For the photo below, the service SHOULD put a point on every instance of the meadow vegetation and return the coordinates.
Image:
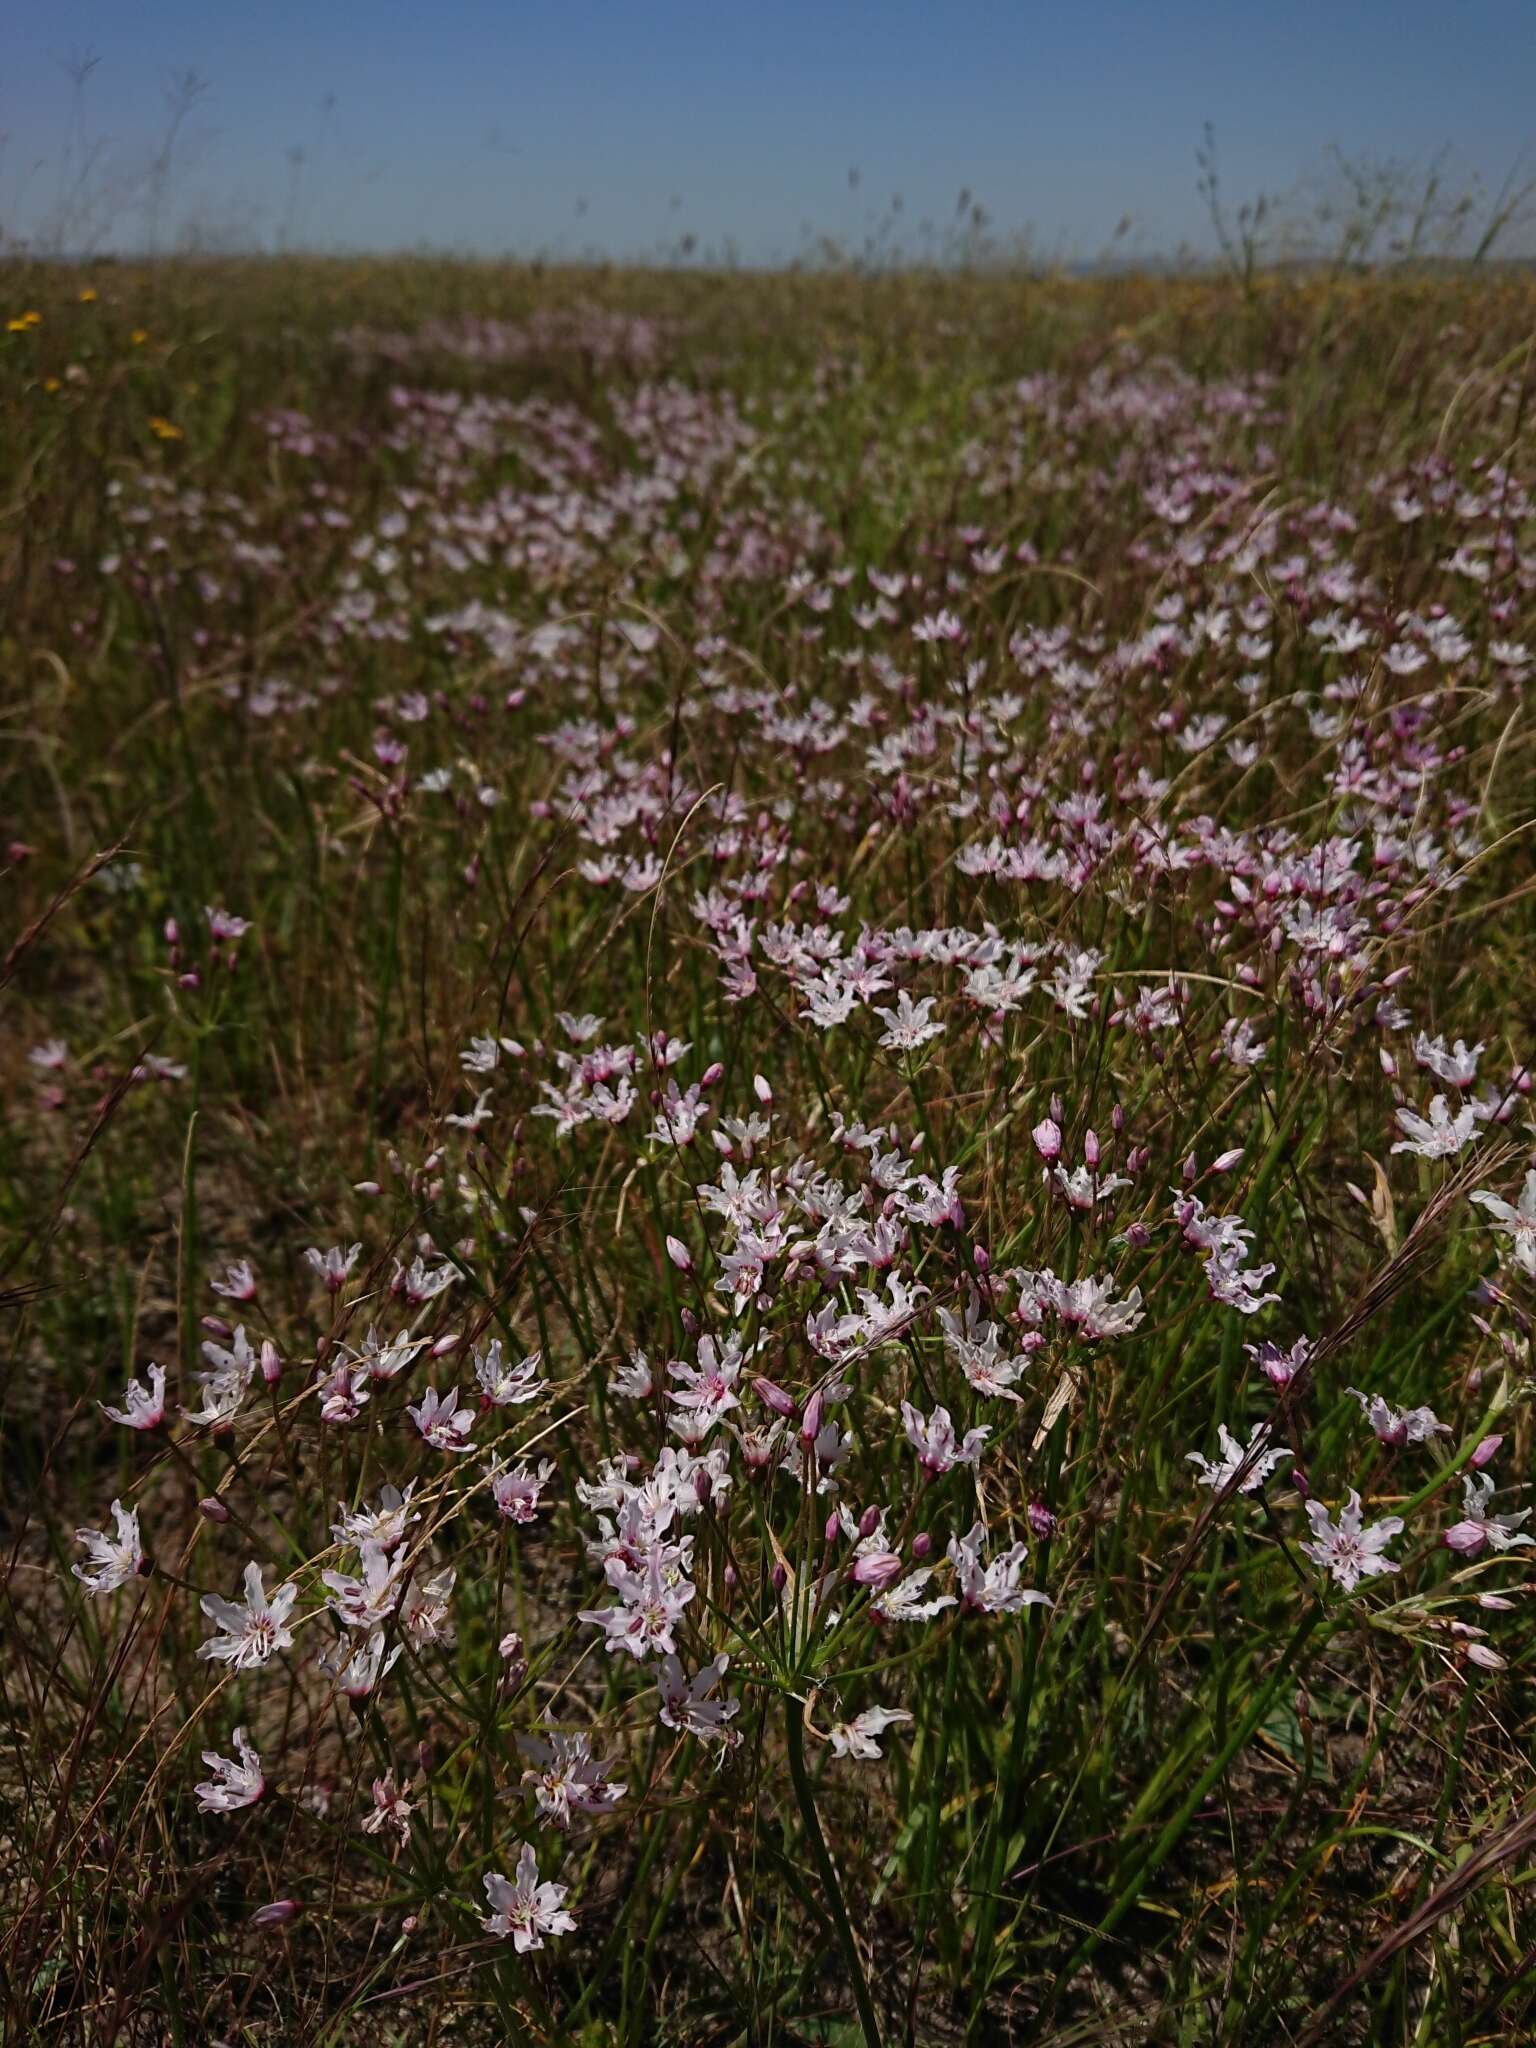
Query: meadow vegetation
(768, 1226)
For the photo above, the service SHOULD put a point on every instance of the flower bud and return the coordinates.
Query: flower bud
(1047, 1137)
(1485, 1453)
(762, 1091)
(281, 1913)
(712, 1075)
(778, 1578)
(680, 1255)
(1042, 1522)
(810, 1421)
(922, 1545)
(271, 1362)
(832, 1528)
(773, 1396)
(1091, 1152)
(869, 1521)
(212, 1509)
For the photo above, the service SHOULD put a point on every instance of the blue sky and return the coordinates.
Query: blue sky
(594, 125)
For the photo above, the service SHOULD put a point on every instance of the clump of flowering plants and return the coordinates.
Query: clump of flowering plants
(771, 1207)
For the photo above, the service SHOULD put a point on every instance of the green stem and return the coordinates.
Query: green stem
(1171, 1835)
(794, 1736)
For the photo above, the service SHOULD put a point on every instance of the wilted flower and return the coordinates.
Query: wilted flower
(859, 1737)
(143, 1408)
(116, 1559)
(232, 1785)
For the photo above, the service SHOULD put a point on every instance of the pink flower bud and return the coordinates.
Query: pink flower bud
(365, 1187)
(762, 1091)
(778, 1578)
(810, 1421)
(981, 1258)
(879, 1568)
(1091, 1153)
(271, 1362)
(445, 1344)
(212, 1509)
(281, 1913)
(1485, 1453)
(680, 1255)
(832, 1528)
(216, 1326)
(1225, 1161)
(869, 1521)
(712, 1075)
(773, 1396)
(1047, 1137)
(922, 1545)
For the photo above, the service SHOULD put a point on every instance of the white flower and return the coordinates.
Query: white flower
(687, 1704)
(516, 1493)
(992, 1588)
(442, 1422)
(334, 1265)
(1438, 1135)
(567, 1778)
(384, 1525)
(390, 1809)
(253, 1629)
(933, 1438)
(1458, 1067)
(858, 1738)
(114, 1560)
(365, 1602)
(1516, 1221)
(526, 1909)
(143, 1409)
(905, 1602)
(232, 1785)
(504, 1385)
(1399, 1426)
(1346, 1549)
(356, 1668)
(910, 1024)
(1479, 1529)
(1218, 1473)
